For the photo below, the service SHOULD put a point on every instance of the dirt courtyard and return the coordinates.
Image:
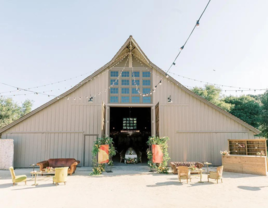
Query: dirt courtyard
(133, 186)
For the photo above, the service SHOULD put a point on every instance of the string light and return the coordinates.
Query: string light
(220, 85)
(45, 85)
(34, 92)
(197, 24)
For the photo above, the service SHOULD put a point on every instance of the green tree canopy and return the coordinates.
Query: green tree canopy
(247, 108)
(10, 111)
(212, 94)
(264, 115)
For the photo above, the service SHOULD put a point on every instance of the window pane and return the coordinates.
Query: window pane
(125, 74)
(135, 100)
(146, 74)
(125, 90)
(131, 123)
(135, 91)
(136, 74)
(114, 99)
(146, 90)
(124, 99)
(114, 90)
(114, 73)
(125, 82)
(146, 82)
(146, 99)
(136, 82)
(114, 82)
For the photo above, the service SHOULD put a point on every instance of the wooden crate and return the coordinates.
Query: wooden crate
(247, 146)
(245, 164)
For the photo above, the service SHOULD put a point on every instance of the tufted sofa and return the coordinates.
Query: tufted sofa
(174, 165)
(71, 163)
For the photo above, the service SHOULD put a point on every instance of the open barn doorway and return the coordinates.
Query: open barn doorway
(130, 128)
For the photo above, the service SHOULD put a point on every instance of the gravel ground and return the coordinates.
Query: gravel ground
(133, 186)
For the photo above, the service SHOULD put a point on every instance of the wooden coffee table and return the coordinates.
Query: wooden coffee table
(198, 171)
(45, 172)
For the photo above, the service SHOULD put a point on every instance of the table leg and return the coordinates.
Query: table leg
(35, 184)
(200, 178)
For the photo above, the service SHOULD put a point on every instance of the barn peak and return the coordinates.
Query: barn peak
(131, 47)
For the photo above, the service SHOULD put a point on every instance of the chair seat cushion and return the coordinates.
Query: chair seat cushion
(184, 177)
(20, 178)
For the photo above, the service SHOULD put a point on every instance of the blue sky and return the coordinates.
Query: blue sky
(43, 42)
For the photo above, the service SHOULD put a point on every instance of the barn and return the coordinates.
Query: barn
(129, 99)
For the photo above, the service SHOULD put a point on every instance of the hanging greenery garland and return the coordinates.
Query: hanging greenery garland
(99, 168)
(162, 142)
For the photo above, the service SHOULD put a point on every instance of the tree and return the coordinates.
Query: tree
(264, 115)
(10, 111)
(246, 108)
(212, 94)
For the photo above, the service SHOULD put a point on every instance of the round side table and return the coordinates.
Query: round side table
(207, 164)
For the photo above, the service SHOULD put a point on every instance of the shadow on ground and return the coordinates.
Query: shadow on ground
(168, 183)
(251, 188)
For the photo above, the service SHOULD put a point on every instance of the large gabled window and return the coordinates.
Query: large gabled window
(124, 85)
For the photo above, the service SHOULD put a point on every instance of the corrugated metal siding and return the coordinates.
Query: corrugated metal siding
(31, 148)
(41, 136)
(197, 132)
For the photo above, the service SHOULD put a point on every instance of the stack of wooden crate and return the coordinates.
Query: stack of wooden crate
(245, 156)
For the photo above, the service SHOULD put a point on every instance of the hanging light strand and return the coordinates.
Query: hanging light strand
(22, 89)
(220, 85)
(49, 84)
(183, 46)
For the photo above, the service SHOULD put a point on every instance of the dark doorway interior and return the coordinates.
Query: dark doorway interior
(130, 127)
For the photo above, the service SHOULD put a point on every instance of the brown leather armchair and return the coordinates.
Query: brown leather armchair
(71, 163)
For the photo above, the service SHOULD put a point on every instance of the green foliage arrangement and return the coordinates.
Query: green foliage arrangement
(131, 160)
(99, 168)
(162, 141)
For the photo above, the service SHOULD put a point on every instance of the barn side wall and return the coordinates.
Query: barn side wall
(197, 132)
(59, 130)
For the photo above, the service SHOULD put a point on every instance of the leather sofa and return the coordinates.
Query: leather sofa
(174, 165)
(71, 163)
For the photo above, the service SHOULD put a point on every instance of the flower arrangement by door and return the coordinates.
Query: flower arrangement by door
(104, 149)
(158, 155)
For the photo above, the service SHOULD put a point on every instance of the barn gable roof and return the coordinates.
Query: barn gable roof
(132, 45)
